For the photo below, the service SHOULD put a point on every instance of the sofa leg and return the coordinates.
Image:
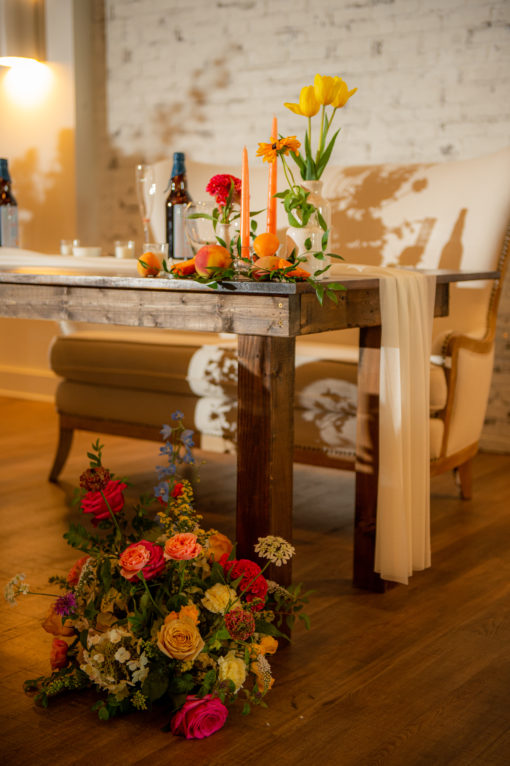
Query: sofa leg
(65, 440)
(464, 479)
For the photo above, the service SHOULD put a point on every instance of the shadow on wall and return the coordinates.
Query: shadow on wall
(46, 199)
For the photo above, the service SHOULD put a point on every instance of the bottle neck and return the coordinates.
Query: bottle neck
(178, 182)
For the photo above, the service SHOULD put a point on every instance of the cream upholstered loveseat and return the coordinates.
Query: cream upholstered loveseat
(441, 215)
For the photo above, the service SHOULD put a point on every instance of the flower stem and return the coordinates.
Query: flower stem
(111, 513)
(142, 578)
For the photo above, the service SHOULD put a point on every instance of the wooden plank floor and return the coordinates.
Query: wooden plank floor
(419, 676)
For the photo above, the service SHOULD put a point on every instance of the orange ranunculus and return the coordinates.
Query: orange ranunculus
(189, 613)
(218, 545)
(184, 268)
(58, 654)
(52, 623)
(266, 645)
(342, 94)
(73, 576)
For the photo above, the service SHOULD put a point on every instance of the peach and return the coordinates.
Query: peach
(211, 257)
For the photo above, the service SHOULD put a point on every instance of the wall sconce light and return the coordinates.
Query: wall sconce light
(22, 31)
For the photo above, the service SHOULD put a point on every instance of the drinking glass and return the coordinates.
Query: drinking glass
(145, 191)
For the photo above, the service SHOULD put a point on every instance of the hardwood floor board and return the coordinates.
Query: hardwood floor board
(417, 676)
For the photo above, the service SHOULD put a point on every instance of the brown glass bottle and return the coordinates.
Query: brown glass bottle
(8, 209)
(178, 198)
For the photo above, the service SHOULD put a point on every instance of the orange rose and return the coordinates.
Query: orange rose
(180, 639)
(52, 623)
(58, 654)
(182, 547)
(73, 577)
(218, 546)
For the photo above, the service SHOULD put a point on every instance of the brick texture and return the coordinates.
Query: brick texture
(205, 77)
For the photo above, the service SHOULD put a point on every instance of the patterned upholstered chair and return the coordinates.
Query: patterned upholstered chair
(444, 215)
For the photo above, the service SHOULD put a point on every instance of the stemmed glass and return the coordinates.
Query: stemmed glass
(145, 191)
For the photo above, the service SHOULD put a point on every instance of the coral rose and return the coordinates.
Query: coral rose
(180, 639)
(182, 547)
(218, 598)
(144, 557)
(53, 624)
(232, 668)
(94, 502)
(199, 718)
(73, 577)
(219, 545)
(58, 654)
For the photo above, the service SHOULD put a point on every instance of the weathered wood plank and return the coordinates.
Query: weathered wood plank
(208, 312)
(265, 444)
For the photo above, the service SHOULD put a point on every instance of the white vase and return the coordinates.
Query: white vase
(307, 240)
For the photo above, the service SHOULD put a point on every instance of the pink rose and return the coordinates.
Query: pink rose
(93, 502)
(182, 547)
(199, 718)
(144, 557)
(58, 654)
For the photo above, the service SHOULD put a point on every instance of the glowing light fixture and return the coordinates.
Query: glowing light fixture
(22, 31)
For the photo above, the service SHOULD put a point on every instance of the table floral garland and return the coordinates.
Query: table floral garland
(231, 258)
(159, 610)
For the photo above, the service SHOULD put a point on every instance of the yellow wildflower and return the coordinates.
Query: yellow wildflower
(283, 146)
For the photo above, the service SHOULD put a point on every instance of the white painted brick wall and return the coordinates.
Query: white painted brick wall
(206, 77)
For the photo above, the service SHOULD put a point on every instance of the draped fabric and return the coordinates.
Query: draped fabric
(403, 502)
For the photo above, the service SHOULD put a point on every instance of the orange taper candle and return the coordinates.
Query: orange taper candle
(245, 207)
(273, 176)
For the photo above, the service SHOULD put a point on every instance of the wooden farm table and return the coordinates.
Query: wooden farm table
(267, 317)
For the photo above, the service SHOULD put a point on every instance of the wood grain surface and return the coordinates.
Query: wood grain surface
(419, 676)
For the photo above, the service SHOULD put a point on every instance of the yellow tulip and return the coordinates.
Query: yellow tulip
(325, 88)
(308, 105)
(307, 101)
(343, 94)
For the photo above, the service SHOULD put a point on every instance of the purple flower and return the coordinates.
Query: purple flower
(65, 604)
(177, 415)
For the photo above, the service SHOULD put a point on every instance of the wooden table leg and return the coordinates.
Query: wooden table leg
(265, 438)
(367, 461)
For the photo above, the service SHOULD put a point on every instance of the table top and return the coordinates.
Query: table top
(284, 309)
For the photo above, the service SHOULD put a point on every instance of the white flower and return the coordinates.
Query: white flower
(16, 587)
(114, 635)
(275, 549)
(122, 654)
(98, 657)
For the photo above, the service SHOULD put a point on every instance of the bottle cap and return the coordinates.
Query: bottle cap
(4, 170)
(178, 166)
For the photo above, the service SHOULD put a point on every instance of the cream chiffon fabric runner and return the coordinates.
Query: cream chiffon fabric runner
(403, 499)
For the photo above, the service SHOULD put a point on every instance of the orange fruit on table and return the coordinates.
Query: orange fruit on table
(266, 244)
(149, 264)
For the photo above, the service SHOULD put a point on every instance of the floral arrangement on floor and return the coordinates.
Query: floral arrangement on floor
(159, 610)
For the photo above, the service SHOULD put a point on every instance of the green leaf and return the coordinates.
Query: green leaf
(305, 619)
(324, 159)
(319, 255)
(322, 222)
(324, 241)
(103, 713)
(319, 290)
(308, 243)
(156, 684)
(332, 296)
(106, 574)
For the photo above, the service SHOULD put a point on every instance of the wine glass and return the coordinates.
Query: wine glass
(145, 191)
